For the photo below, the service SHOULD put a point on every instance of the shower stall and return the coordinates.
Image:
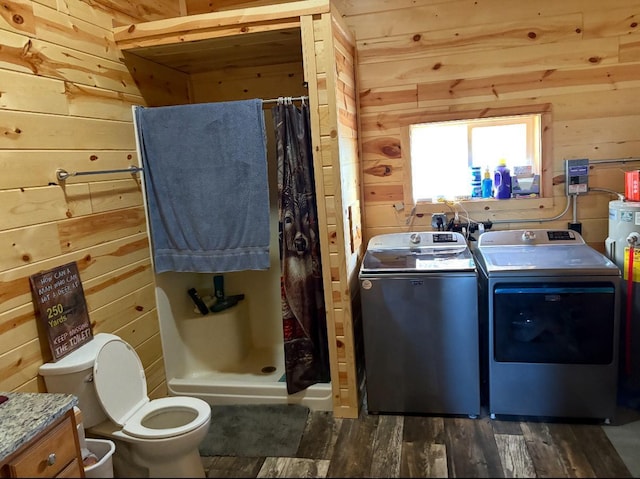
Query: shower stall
(234, 356)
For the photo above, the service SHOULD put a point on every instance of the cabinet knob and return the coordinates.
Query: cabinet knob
(51, 460)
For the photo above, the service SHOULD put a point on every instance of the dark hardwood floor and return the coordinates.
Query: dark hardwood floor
(426, 446)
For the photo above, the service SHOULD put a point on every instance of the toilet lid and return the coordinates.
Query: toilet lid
(119, 380)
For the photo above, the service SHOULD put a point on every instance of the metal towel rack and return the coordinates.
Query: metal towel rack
(62, 174)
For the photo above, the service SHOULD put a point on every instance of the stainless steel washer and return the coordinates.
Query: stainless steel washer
(551, 304)
(420, 323)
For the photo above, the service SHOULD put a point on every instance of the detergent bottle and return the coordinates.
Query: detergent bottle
(487, 184)
(502, 180)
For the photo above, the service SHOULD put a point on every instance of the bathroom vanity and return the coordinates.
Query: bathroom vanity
(39, 437)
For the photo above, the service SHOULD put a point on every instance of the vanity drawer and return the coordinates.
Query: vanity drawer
(48, 454)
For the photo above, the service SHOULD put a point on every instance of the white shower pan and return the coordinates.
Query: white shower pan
(227, 357)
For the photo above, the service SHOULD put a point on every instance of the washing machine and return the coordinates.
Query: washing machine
(419, 297)
(551, 304)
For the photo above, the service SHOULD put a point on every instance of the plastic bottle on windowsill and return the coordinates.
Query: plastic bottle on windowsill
(502, 180)
(487, 184)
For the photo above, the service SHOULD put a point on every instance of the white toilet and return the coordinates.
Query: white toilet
(154, 438)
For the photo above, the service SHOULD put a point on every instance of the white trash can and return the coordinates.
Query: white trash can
(104, 450)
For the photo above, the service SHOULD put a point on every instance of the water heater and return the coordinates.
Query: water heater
(624, 231)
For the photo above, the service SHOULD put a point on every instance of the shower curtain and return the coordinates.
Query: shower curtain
(303, 310)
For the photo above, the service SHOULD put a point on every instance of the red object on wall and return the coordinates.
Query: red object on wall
(632, 185)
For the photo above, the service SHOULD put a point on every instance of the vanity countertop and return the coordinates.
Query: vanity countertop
(24, 415)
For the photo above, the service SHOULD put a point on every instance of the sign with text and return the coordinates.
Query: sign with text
(62, 308)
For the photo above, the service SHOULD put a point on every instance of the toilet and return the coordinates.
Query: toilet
(153, 437)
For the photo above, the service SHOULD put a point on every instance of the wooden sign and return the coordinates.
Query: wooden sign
(62, 308)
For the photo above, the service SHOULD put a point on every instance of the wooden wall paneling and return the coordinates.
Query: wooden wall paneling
(98, 16)
(18, 16)
(338, 53)
(395, 97)
(599, 151)
(15, 282)
(471, 38)
(21, 364)
(26, 207)
(93, 102)
(66, 103)
(47, 3)
(107, 288)
(201, 26)
(29, 55)
(406, 16)
(266, 82)
(535, 83)
(265, 47)
(194, 7)
(629, 49)
(58, 28)
(391, 72)
(113, 316)
(141, 10)
(617, 101)
(139, 330)
(157, 84)
(38, 94)
(156, 385)
(17, 327)
(619, 21)
(38, 131)
(42, 242)
(113, 195)
(616, 128)
(392, 122)
(106, 14)
(88, 231)
(322, 155)
(32, 93)
(43, 164)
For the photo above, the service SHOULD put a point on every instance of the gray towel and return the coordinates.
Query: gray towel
(205, 175)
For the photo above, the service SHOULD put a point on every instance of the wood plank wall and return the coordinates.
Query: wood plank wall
(433, 57)
(333, 66)
(65, 102)
(66, 98)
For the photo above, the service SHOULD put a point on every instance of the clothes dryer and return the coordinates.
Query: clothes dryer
(551, 304)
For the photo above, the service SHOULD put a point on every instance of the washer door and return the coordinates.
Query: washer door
(119, 379)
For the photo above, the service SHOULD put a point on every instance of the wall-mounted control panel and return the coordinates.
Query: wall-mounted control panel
(577, 176)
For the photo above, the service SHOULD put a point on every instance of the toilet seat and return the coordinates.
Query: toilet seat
(121, 387)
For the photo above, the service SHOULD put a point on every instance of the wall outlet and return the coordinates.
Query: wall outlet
(399, 206)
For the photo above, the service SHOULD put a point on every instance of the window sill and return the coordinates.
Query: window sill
(487, 205)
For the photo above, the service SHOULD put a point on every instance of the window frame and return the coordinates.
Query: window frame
(546, 147)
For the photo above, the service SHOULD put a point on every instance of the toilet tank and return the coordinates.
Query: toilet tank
(73, 374)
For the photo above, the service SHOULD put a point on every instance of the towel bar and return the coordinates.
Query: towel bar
(62, 174)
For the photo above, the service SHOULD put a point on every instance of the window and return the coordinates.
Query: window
(443, 153)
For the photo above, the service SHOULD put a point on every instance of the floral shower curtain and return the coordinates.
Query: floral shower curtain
(303, 310)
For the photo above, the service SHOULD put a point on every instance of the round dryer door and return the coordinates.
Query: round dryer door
(119, 380)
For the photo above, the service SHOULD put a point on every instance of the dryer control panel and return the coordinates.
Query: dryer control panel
(530, 238)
